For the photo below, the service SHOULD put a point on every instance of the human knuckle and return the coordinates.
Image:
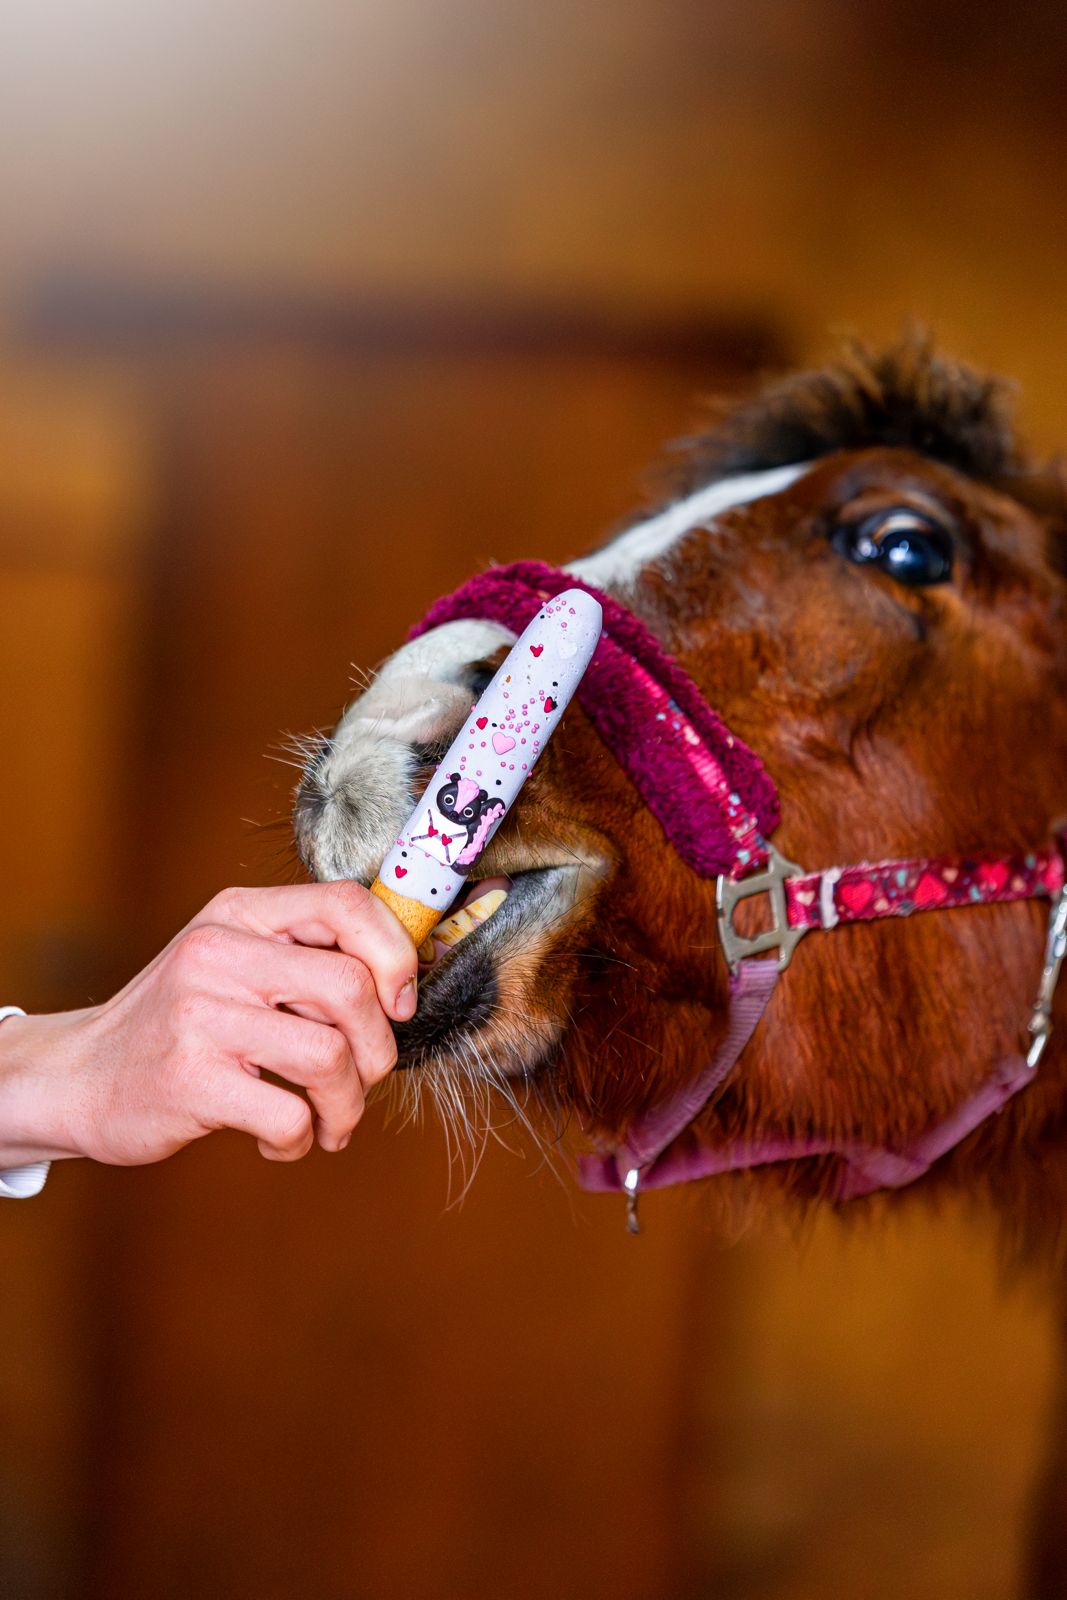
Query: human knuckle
(194, 1011)
(330, 1056)
(349, 896)
(186, 1083)
(293, 1125)
(382, 1061)
(355, 982)
(227, 903)
(206, 945)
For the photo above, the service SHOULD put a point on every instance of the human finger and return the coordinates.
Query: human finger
(277, 1119)
(345, 915)
(323, 986)
(312, 1054)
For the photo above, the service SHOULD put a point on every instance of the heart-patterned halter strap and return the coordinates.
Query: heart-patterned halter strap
(717, 805)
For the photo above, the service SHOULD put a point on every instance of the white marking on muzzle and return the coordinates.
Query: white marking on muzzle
(422, 682)
(623, 559)
(364, 779)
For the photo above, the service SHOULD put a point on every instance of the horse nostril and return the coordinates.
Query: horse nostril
(429, 752)
(479, 675)
(309, 804)
(314, 790)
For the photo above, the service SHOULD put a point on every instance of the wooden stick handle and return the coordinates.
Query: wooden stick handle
(419, 920)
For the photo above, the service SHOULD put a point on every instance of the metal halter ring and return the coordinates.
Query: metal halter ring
(771, 881)
(1055, 950)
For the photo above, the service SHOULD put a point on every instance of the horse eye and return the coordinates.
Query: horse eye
(906, 545)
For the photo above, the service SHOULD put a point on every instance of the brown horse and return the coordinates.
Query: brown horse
(866, 577)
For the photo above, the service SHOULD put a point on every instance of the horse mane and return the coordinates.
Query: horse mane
(907, 396)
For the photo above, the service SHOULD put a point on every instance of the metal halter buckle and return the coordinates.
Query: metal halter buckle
(771, 881)
(630, 1185)
(1055, 949)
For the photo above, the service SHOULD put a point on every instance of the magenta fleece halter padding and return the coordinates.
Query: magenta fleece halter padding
(709, 792)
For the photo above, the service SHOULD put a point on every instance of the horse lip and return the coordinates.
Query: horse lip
(458, 994)
(521, 848)
(514, 857)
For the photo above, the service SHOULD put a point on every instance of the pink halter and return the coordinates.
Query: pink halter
(717, 804)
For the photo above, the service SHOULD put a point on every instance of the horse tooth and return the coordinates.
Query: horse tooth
(453, 928)
(482, 909)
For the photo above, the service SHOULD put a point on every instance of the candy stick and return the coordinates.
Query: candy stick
(488, 762)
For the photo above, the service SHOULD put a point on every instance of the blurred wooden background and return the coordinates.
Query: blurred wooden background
(290, 293)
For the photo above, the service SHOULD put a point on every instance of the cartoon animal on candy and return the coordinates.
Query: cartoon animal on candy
(463, 802)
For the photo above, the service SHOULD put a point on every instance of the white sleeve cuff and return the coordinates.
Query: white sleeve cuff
(21, 1183)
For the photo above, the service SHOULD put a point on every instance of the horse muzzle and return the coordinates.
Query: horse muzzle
(484, 969)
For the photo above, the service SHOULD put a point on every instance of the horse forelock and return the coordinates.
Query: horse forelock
(908, 396)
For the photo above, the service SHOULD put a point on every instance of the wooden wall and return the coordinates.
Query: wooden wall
(230, 1359)
(829, 164)
(230, 1376)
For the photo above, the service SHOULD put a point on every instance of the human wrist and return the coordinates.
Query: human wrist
(38, 1089)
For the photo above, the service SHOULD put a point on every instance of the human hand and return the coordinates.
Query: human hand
(299, 982)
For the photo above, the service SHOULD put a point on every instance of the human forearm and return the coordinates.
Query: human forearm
(41, 1087)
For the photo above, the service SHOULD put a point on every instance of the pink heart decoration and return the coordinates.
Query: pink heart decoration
(993, 876)
(856, 897)
(535, 649)
(502, 743)
(401, 872)
(930, 891)
(482, 721)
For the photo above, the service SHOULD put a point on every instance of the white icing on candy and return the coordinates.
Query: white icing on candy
(491, 757)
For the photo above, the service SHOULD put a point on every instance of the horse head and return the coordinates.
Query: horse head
(865, 576)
